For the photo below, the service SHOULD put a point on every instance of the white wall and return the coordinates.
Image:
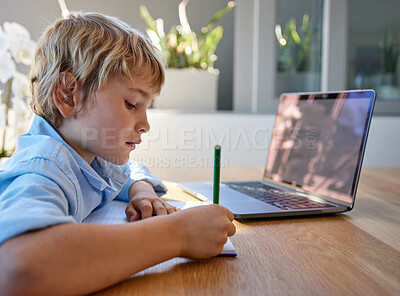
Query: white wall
(179, 139)
(383, 145)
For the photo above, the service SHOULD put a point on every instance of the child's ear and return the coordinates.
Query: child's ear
(66, 95)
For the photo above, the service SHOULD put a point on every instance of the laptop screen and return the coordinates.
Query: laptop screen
(318, 141)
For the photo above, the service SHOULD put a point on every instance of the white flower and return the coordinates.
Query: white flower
(7, 66)
(16, 31)
(20, 85)
(16, 47)
(2, 115)
(21, 44)
(21, 115)
(4, 41)
(22, 50)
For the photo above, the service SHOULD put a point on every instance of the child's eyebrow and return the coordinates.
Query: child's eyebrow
(142, 92)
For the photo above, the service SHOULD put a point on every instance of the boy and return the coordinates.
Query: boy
(92, 82)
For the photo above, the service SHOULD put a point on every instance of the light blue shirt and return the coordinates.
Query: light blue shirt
(46, 182)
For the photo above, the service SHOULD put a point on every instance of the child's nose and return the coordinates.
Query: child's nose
(144, 125)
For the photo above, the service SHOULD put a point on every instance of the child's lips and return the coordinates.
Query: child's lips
(132, 145)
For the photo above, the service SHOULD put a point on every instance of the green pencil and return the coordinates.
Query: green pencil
(217, 167)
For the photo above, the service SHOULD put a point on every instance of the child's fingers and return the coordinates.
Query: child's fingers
(229, 214)
(170, 209)
(159, 207)
(232, 229)
(131, 213)
(145, 208)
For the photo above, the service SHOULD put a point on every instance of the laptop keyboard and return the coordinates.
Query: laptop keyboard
(282, 199)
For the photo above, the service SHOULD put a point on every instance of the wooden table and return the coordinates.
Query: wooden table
(356, 253)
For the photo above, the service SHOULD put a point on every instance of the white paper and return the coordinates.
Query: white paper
(114, 213)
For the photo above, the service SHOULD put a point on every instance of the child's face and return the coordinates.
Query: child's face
(112, 125)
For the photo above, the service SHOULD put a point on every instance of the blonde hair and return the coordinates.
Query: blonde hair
(92, 47)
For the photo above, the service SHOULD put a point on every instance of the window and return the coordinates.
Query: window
(298, 46)
(352, 44)
(374, 47)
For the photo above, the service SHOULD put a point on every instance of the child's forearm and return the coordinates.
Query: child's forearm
(82, 258)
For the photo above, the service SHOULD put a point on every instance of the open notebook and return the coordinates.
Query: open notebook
(114, 213)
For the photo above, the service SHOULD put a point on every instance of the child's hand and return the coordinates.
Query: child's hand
(145, 202)
(145, 207)
(205, 230)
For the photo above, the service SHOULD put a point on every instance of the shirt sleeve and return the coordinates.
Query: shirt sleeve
(139, 172)
(31, 202)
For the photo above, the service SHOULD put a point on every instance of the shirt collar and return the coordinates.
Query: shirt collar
(102, 175)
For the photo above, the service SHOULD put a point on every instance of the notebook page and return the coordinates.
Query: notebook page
(114, 213)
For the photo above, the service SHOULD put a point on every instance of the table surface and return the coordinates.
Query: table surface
(355, 253)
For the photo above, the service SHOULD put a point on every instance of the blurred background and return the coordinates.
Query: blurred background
(268, 47)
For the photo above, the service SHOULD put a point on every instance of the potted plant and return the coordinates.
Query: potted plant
(388, 82)
(295, 57)
(191, 79)
(16, 52)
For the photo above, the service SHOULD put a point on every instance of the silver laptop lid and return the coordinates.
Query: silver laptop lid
(318, 142)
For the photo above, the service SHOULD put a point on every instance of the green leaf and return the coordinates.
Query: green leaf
(293, 31)
(150, 22)
(217, 16)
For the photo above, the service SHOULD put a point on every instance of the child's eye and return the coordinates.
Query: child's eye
(129, 105)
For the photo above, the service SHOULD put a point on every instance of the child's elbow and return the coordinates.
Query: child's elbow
(16, 276)
(9, 282)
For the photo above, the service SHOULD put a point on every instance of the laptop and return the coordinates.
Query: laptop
(313, 161)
